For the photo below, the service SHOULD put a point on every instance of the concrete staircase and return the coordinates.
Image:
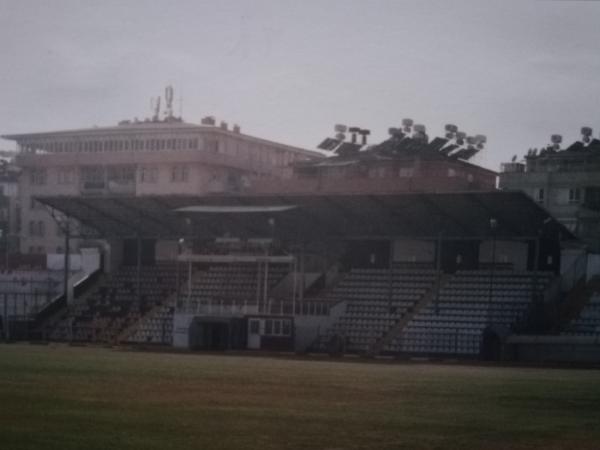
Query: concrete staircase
(397, 329)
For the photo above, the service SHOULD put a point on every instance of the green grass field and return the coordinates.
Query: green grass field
(59, 397)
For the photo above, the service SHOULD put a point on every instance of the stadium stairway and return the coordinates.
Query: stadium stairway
(52, 320)
(583, 316)
(153, 327)
(397, 329)
(575, 304)
(50, 316)
(470, 303)
(376, 299)
(115, 303)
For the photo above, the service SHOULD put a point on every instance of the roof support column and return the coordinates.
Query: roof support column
(66, 265)
(438, 268)
(139, 267)
(390, 276)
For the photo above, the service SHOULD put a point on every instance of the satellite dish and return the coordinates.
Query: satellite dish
(340, 136)
(407, 122)
(419, 128)
(480, 138)
(471, 140)
(514, 158)
(556, 138)
(339, 128)
(451, 128)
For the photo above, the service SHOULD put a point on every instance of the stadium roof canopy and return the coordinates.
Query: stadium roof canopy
(314, 217)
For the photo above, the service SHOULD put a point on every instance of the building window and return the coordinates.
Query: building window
(121, 174)
(540, 195)
(406, 172)
(268, 327)
(212, 146)
(149, 175)
(92, 177)
(254, 326)
(574, 195)
(179, 174)
(38, 177)
(377, 172)
(34, 204)
(278, 327)
(37, 228)
(65, 176)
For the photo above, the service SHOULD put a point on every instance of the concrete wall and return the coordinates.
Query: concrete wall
(574, 349)
(308, 328)
(593, 266)
(414, 251)
(88, 261)
(506, 252)
(166, 250)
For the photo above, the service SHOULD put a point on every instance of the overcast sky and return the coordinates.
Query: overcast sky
(288, 70)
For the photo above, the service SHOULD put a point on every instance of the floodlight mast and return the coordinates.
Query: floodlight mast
(586, 134)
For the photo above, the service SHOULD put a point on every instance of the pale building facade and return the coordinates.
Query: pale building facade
(136, 159)
(566, 183)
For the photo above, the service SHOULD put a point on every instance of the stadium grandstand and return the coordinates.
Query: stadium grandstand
(452, 274)
(198, 237)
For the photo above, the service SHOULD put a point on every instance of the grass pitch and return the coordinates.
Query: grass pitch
(63, 398)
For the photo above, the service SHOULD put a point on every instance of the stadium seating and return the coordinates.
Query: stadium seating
(219, 289)
(588, 321)
(232, 283)
(376, 300)
(156, 328)
(116, 303)
(472, 300)
(24, 293)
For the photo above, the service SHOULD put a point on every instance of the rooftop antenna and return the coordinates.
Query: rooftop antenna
(169, 101)
(156, 107)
